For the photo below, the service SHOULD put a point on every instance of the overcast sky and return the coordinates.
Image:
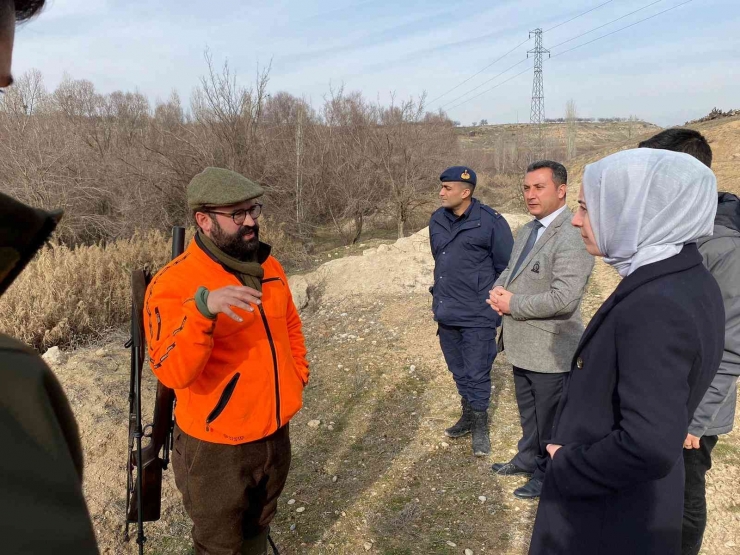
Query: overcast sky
(674, 67)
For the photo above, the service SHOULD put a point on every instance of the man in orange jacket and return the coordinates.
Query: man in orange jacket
(223, 332)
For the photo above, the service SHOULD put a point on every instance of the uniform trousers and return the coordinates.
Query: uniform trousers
(230, 491)
(469, 353)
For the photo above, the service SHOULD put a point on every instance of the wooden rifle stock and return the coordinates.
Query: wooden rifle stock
(160, 440)
(144, 492)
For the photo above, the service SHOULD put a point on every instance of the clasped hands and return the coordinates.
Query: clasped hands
(499, 299)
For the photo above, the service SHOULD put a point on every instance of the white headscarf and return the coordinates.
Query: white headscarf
(645, 204)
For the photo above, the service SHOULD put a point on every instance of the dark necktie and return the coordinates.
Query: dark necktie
(531, 240)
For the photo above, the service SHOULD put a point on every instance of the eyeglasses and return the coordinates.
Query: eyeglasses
(240, 215)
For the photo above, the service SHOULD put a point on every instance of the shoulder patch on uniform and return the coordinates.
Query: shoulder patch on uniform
(491, 211)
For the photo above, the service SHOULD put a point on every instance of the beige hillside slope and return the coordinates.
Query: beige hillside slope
(723, 136)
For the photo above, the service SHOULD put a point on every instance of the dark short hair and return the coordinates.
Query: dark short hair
(26, 9)
(559, 173)
(680, 139)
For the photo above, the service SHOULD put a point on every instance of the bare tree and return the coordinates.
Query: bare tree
(571, 130)
(409, 146)
(631, 125)
(116, 163)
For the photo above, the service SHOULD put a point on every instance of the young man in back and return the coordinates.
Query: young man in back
(716, 412)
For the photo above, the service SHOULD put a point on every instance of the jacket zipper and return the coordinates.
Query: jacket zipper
(274, 362)
(268, 280)
(222, 401)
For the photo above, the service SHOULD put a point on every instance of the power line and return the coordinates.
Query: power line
(606, 24)
(579, 15)
(509, 52)
(481, 71)
(622, 28)
(494, 87)
(574, 48)
(484, 83)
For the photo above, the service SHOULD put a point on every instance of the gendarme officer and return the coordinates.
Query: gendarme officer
(471, 244)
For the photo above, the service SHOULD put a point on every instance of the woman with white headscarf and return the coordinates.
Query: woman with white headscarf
(614, 484)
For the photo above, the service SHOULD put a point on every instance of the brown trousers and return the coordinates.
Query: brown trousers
(230, 491)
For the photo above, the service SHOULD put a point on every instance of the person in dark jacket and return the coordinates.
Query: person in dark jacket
(715, 414)
(614, 484)
(42, 509)
(471, 244)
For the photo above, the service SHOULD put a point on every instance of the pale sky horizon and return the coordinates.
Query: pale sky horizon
(674, 67)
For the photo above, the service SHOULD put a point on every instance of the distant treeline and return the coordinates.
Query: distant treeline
(117, 163)
(593, 120)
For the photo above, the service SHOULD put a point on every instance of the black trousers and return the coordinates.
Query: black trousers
(696, 463)
(537, 396)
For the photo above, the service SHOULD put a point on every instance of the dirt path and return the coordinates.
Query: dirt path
(377, 475)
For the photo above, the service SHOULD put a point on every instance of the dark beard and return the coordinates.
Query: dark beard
(234, 245)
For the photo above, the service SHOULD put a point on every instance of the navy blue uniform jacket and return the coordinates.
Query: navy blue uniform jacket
(641, 368)
(469, 254)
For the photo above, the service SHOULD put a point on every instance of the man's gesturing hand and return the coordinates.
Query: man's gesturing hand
(221, 300)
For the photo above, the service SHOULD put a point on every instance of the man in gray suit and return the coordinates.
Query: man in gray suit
(539, 296)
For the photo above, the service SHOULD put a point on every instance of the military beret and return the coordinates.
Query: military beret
(461, 174)
(221, 187)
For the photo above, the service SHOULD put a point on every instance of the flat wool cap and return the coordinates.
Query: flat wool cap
(221, 187)
(460, 174)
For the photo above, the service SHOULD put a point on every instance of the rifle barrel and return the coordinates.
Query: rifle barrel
(178, 241)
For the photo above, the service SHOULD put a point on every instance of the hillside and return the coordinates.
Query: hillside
(589, 135)
(375, 475)
(723, 136)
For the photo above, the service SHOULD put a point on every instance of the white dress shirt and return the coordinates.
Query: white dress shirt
(547, 220)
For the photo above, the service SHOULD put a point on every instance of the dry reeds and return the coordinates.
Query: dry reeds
(70, 296)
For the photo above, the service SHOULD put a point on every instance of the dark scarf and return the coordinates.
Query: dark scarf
(249, 273)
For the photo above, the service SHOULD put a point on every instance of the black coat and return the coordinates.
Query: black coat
(641, 368)
(469, 257)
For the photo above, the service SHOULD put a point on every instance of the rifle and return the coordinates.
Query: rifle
(144, 492)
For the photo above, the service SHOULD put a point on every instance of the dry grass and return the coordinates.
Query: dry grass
(66, 294)
(70, 296)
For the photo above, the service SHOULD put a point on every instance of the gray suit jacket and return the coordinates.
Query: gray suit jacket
(544, 327)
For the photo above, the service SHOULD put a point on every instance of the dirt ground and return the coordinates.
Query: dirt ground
(377, 475)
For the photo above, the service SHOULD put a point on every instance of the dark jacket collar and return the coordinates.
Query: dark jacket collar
(23, 230)
(473, 213)
(687, 258)
(728, 211)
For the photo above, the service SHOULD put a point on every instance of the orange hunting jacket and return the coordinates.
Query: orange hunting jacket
(235, 382)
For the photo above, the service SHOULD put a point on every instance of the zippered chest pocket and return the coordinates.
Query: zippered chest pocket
(275, 297)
